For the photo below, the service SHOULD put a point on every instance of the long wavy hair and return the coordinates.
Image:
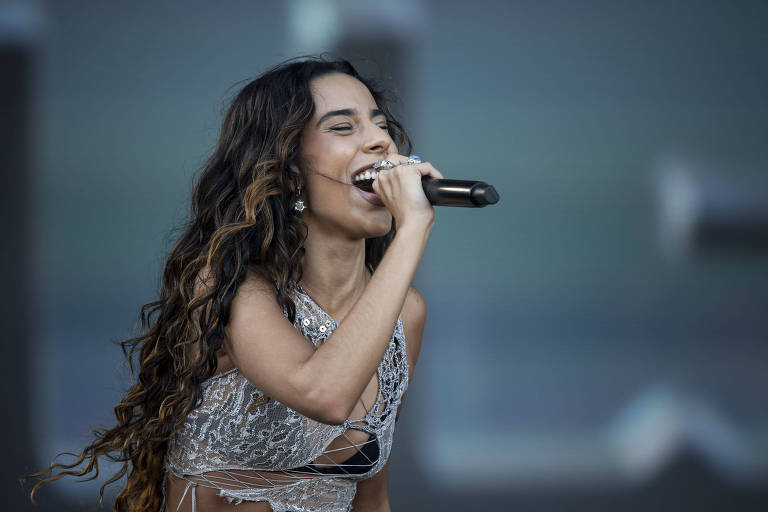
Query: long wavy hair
(241, 219)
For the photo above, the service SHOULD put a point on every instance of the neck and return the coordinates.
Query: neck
(333, 271)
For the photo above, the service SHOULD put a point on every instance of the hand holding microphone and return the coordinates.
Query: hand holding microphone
(447, 192)
(397, 181)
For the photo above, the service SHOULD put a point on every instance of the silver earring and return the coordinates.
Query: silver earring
(299, 205)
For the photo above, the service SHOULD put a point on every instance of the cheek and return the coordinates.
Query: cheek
(336, 203)
(324, 193)
(328, 154)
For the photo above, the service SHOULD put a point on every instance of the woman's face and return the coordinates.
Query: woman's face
(347, 132)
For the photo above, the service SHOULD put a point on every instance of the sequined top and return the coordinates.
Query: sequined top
(237, 434)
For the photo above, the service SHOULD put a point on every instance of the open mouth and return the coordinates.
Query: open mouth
(364, 179)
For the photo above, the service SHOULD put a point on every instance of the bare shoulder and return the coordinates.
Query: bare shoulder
(256, 282)
(414, 316)
(254, 290)
(255, 301)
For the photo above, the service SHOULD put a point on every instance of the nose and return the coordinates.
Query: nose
(376, 139)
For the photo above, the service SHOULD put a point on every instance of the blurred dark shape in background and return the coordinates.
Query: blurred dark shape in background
(17, 58)
(704, 210)
(601, 344)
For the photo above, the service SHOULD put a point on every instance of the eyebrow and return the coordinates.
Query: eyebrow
(375, 112)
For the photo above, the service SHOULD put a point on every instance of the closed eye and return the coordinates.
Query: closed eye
(342, 128)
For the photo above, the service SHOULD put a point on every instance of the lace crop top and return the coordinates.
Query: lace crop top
(252, 448)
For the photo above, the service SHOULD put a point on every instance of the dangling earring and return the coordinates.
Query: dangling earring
(299, 205)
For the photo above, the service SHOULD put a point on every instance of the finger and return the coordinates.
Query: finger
(399, 160)
(381, 176)
(426, 169)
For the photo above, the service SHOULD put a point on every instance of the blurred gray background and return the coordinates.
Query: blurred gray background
(595, 341)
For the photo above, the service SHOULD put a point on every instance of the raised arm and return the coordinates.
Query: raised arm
(325, 383)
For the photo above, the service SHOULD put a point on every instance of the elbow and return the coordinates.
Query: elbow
(332, 418)
(322, 398)
(327, 407)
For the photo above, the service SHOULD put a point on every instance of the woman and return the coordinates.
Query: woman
(274, 364)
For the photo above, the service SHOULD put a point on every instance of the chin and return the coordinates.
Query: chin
(377, 235)
(381, 228)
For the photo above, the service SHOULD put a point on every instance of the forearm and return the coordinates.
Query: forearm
(342, 366)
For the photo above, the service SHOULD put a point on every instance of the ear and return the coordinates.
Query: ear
(299, 176)
(298, 173)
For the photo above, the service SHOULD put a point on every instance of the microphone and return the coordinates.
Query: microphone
(444, 192)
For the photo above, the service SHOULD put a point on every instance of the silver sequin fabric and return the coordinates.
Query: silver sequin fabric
(237, 433)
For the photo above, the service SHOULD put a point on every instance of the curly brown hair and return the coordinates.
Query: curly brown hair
(241, 219)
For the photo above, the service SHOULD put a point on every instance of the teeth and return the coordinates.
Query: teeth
(367, 175)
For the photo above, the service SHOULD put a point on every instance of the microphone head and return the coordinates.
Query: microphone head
(491, 196)
(484, 194)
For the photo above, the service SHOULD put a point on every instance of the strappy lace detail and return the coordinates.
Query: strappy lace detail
(251, 447)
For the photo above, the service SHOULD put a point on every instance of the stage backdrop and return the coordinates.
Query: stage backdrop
(590, 343)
